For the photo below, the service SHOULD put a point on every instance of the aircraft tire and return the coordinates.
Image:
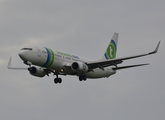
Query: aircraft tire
(59, 80)
(82, 77)
(55, 80)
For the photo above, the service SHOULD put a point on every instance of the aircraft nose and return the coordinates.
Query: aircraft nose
(22, 55)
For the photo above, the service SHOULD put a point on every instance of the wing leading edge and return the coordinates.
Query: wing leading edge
(105, 63)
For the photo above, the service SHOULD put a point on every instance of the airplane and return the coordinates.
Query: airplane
(43, 61)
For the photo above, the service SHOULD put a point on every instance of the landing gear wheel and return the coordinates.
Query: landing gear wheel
(57, 80)
(82, 77)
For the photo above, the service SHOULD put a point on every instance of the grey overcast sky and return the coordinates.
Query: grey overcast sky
(83, 27)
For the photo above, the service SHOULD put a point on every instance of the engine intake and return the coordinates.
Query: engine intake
(38, 72)
(79, 67)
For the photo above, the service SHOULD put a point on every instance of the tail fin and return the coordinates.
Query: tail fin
(111, 50)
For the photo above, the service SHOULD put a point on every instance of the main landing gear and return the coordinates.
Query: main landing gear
(82, 77)
(57, 80)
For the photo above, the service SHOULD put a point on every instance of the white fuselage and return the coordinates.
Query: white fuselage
(60, 61)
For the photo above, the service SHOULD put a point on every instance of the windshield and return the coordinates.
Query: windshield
(26, 49)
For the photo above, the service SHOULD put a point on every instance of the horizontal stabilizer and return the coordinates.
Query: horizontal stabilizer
(130, 66)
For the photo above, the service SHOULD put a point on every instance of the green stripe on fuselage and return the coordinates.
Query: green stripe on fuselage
(50, 58)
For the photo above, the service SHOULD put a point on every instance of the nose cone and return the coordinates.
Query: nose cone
(22, 55)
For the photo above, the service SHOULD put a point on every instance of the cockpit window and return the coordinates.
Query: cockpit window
(26, 49)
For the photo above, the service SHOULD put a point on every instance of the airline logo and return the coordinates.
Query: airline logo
(50, 57)
(84, 67)
(111, 50)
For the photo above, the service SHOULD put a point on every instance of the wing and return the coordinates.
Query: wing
(47, 71)
(102, 64)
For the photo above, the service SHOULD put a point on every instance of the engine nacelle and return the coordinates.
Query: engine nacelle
(38, 72)
(79, 67)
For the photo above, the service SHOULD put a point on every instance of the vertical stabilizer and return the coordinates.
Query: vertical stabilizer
(111, 50)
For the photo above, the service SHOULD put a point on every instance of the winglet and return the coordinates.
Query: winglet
(156, 49)
(9, 64)
(10, 67)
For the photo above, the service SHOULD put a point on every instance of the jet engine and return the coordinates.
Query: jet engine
(38, 72)
(79, 67)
